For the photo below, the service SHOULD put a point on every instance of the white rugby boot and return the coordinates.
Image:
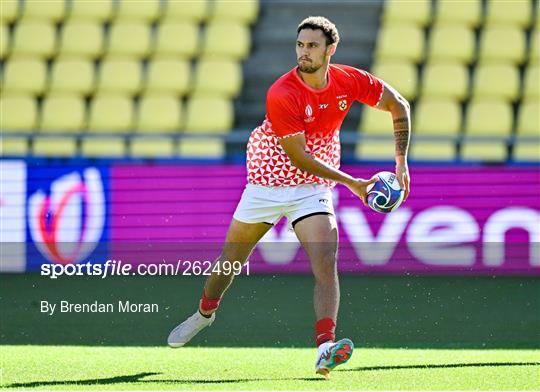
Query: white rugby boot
(332, 354)
(184, 332)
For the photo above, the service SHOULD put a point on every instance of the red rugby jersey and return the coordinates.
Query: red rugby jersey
(292, 108)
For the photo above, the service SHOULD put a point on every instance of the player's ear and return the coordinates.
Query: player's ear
(331, 49)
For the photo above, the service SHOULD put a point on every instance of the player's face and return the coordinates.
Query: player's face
(311, 50)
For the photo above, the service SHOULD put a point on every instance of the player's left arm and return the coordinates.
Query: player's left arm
(392, 101)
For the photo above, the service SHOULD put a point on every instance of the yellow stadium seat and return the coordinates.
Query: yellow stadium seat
(437, 117)
(226, 40)
(526, 151)
(63, 114)
(451, 44)
(243, 11)
(515, 12)
(4, 40)
(19, 113)
(34, 38)
(484, 151)
(376, 122)
(72, 76)
(534, 47)
(498, 81)
(120, 76)
(375, 150)
(502, 44)
(528, 122)
(13, 146)
(148, 10)
(53, 10)
(54, 146)
(454, 12)
(129, 38)
(111, 113)
(168, 76)
(209, 114)
(100, 11)
(400, 75)
(531, 83)
(218, 77)
(196, 10)
(81, 38)
(25, 76)
(407, 12)
(159, 113)
(168, 44)
(103, 147)
(488, 118)
(146, 147)
(448, 80)
(404, 43)
(201, 148)
(433, 151)
(9, 10)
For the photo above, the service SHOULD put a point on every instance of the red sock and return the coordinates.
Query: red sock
(208, 304)
(325, 330)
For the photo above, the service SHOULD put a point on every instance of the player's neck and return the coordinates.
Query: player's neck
(316, 80)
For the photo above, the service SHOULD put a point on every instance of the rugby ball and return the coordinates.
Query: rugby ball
(385, 195)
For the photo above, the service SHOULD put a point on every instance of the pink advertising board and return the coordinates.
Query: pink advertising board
(457, 220)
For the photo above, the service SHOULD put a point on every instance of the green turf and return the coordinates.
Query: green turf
(151, 368)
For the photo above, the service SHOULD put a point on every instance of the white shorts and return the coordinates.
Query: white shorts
(265, 204)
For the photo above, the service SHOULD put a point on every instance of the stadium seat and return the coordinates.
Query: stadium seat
(34, 38)
(437, 117)
(375, 150)
(81, 38)
(99, 11)
(19, 113)
(484, 151)
(168, 76)
(24, 76)
(190, 10)
(209, 114)
(147, 10)
(120, 76)
(454, 12)
(54, 146)
(528, 121)
(502, 44)
(149, 147)
(515, 12)
(497, 81)
(376, 122)
(242, 11)
(402, 43)
(451, 44)
(62, 114)
(433, 151)
(531, 83)
(448, 80)
(488, 118)
(218, 77)
(72, 76)
(130, 39)
(10, 10)
(201, 148)
(534, 47)
(226, 40)
(159, 113)
(103, 147)
(13, 146)
(407, 12)
(168, 44)
(53, 10)
(526, 151)
(400, 75)
(111, 113)
(4, 40)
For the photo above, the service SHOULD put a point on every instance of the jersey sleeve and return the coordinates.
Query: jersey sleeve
(282, 113)
(369, 88)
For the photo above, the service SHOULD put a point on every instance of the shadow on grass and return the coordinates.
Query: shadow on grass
(442, 366)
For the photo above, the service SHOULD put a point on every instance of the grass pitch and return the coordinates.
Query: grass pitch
(200, 368)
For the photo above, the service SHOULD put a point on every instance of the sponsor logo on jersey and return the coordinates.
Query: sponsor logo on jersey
(342, 104)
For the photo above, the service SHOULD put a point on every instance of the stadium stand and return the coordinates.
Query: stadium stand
(506, 86)
(19, 113)
(51, 10)
(446, 80)
(196, 11)
(451, 43)
(111, 113)
(103, 147)
(34, 38)
(62, 114)
(209, 114)
(159, 113)
(148, 10)
(72, 76)
(129, 39)
(54, 147)
(458, 13)
(120, 75)
(168, 75)
(168, 44)
(403, 76)
(24, 76)
(98, 11)
(151, 147)
(81, 39)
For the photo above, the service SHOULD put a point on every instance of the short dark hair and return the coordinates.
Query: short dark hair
(320, 23)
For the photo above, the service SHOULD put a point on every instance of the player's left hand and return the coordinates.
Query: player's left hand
(402, 174)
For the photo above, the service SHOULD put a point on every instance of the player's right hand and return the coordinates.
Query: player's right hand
(359, 187)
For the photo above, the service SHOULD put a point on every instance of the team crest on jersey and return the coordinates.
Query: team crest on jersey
(309, 114)
(342, 104)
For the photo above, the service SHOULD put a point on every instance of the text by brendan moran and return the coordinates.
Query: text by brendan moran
(50, 308)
